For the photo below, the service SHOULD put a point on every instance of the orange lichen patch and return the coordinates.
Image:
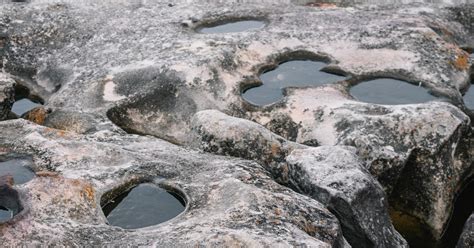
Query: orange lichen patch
(36, 115)
(322, 5)
(462, 61)
(275, 149)
(88, 192)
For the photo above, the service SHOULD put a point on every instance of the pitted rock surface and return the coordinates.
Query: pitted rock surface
(109, 70)
(7, 95)
(230, 201)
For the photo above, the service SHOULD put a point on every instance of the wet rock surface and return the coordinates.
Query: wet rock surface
(121, 82)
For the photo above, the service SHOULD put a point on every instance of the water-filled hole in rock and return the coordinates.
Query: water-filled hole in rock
(18, 169)
(5, 214)
(24, 105)
(233, 27)
(142, 206)
(390, 92)
(295, 73)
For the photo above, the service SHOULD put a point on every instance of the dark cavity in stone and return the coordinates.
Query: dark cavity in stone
(24, 105)
(233, 27)
(418, 236)
(296, 73)
(390, 92)
(142, 206)
(463, 208)
(18, 169)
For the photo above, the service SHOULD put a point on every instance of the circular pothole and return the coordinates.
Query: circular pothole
(18, 168)
(390, 91)
(231, 26)
(9, 203)
(294, 73)
(144, 205)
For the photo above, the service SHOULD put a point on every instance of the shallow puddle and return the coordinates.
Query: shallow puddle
(296, 73)
(233, 27)
(469, 98)
(390, 91)
(24, 105)
(5, 214)
(145, 205)
(18, 169)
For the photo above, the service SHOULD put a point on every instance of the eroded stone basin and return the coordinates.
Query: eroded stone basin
(233, 27)
(295, 73)
(390, 92)
(24, 105)
(142, 206)
(18, 169)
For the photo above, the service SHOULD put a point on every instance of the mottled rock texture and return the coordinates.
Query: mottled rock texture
(467, 236)
(120, 77)
(7, 95)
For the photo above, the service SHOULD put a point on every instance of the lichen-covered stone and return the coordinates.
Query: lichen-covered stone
(7, 95)
(333, 175)
(230, 202)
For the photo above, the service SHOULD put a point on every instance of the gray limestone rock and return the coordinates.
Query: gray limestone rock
(333, 175)
(230, 202)
(7, 95)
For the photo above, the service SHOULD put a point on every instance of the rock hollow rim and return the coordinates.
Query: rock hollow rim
(18, 168)
(291, 73)
(389, 91)
(144, 205)
(231, 26)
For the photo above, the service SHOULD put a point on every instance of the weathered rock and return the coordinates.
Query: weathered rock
(216, 132)
(417, 152)
(143, 66)
(229, 201)
(7, 95)
(333, 175)
(467, 236)
(336, 177)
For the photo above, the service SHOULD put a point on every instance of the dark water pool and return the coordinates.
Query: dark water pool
(391, 92)
(5, 214)
(18, 169)
(296, 73)
(145, 205)
(24, 105)
(233, 27)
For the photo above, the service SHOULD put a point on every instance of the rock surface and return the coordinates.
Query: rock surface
(332, 175)
(106, 70)
(467, 236)
(7, 95)
(230, 202)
